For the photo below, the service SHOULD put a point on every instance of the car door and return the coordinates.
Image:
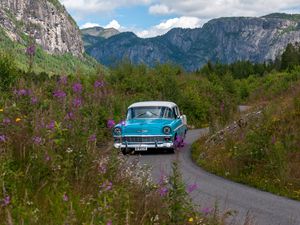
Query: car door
(179, 127)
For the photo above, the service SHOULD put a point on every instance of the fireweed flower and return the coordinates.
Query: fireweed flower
(77, 87)
(6, 121)
(109, 222)
(110, 123)
(192, 187)
(51, 125)
(59, 94)
(63, 80)
(107, 185)
(163, 191)
(3, 138)
(6, 201)
(179, 142)
(31, 50)
(98, 84)
(77, 102)
(207, 210)
(70, 116)
(47, 157)
(65, 197)
(22, 92)
(93, 138)
(102, 169)
(33, 100)
(37, 140)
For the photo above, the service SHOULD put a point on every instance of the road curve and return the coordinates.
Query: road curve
(266, 208)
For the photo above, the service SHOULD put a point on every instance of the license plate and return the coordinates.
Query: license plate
(140, 148)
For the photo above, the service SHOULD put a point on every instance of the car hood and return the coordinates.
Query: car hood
(145, 126)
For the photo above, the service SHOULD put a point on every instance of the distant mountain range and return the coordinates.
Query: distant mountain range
(226, 40)
(92, 36)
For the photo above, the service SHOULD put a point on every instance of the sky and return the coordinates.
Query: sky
(149, 18)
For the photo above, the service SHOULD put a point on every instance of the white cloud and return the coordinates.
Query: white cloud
(113, 24)
(159, 9)
(221, 8)
(88, 25)
(100, 6)
(164, 27)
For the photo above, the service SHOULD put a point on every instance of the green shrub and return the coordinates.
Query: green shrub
(8, 71)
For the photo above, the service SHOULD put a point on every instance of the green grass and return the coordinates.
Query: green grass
(265, 154)
(57, 165)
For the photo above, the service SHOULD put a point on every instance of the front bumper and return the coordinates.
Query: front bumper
(141, 145)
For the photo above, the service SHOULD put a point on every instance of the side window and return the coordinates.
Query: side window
(170, 114)
(176, 112)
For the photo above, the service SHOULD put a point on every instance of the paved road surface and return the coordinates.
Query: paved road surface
(268, 209)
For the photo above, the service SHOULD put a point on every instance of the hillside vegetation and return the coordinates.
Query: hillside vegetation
(44, 62)
(56, 161)
(263, 151)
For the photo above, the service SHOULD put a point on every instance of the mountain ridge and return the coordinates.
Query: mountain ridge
(226, 40)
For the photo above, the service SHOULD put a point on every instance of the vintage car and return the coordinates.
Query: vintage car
(150, 125)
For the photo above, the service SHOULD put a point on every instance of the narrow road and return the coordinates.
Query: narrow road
(266, 208)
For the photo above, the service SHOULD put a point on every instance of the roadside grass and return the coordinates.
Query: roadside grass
(56, 166)
(266, 153)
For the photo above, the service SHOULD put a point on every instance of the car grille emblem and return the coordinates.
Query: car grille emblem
(142, 131)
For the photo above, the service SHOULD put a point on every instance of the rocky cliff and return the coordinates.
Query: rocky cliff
(46, 21)
(225, 40)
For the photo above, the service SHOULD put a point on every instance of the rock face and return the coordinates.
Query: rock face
(225, 40)
(91, 36)
(46, 21)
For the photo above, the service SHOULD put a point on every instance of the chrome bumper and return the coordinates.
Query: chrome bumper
(147, 145)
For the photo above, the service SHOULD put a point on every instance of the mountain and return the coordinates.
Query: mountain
(91, 36)
(59, 46)
(46, 21)
(226, 40)
(100, 32)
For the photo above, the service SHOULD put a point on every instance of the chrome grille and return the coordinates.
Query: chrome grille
(138, 139)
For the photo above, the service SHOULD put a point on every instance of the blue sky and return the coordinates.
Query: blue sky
(148, 18)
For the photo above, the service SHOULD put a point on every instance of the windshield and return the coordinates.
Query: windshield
(151, 112)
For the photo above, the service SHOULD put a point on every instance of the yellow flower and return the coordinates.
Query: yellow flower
(18, 119)
(191, 219)
(1, 110)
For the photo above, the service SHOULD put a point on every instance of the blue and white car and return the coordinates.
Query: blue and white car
(150, 125)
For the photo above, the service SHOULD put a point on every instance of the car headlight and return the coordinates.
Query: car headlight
(167, 130)
(117, 131)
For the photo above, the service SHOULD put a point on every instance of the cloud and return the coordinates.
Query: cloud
(88, 25)
(113, 24)
(159, 9)
(164, 27)
(221, 8)
(100, 6)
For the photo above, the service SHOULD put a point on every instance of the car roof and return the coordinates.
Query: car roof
(153, 103)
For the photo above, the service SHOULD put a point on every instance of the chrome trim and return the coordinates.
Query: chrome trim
(179, 127)
(128, 145)
(147, 136)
